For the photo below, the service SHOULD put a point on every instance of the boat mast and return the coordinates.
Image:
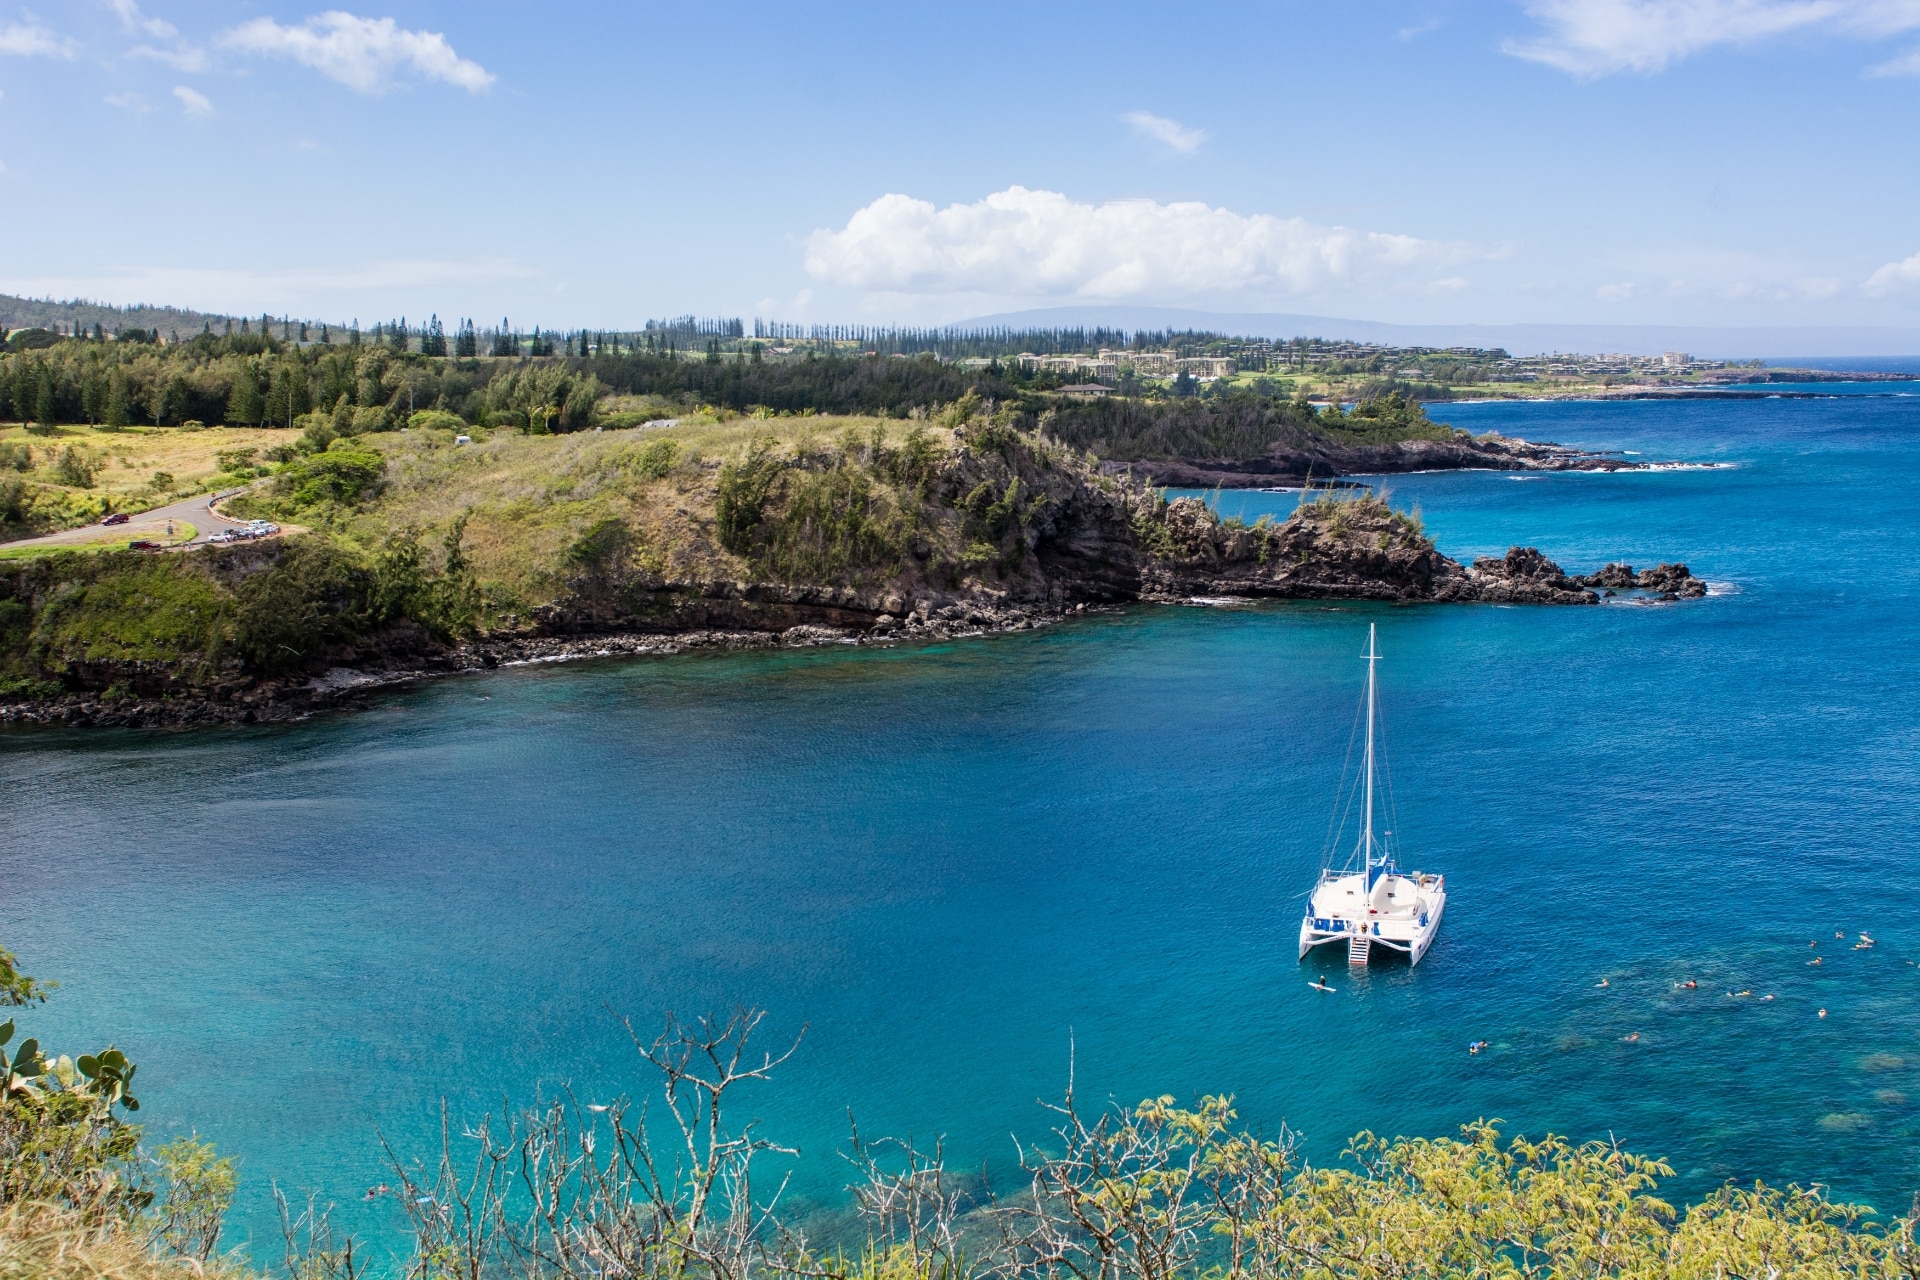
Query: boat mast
(1366, 840)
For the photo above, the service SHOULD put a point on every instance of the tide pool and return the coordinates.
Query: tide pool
(951, 863)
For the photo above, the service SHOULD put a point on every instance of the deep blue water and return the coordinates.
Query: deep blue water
(951, 862)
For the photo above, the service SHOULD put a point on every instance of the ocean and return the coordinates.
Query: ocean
(964, 869)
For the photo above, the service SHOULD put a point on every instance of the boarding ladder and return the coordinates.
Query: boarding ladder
(1357, 948)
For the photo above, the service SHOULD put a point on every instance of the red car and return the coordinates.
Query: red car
(118, 517)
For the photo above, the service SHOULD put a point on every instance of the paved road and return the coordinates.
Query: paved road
(197, 511)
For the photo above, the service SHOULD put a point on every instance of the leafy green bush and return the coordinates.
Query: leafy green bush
(313, 597)
(74, 467)
(343, 474)
(13, 500)
(742, 492)
(436, 420)
(654, 459)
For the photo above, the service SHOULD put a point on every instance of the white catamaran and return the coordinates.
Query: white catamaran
(1371, 902)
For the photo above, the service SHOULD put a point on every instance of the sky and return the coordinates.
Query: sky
(1698, 162)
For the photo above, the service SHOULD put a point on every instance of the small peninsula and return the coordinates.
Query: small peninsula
(434, 549)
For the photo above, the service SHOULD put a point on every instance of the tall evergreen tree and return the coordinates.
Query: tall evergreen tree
(118, 411)
(246, 405)
(43, 401)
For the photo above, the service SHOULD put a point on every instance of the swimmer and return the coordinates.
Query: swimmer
(1766, 997)
(1630, 1039)
(1823, 1013)
(1867, 938)
(374, 1193)
(1320, 984)
(1741, 995)
(1815, 960)
(1839, 933)
(1691, 984)
(1603, 983)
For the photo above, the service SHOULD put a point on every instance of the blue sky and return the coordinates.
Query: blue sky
(1698, 162)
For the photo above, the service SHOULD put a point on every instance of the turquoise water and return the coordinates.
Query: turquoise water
(949, 863)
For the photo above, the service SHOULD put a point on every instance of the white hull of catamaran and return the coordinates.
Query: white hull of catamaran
(1409, 931)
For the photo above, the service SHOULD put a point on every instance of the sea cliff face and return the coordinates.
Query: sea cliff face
(994, 530)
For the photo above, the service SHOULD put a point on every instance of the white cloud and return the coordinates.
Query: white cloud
(1167, 132)
(31, 40)
(1022, 243)
(1895, 277)
(180, 55)
(133, 20)
(361, 53)
(1599, 37)
(193, 102)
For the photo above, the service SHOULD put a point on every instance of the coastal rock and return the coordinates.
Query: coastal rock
(1525, 576)
(1618, 576)
(1674, 581)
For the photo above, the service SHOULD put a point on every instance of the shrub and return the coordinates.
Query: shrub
(74, 467)
(13, 500)
(655, 459)
(436, 420)
(312, 598)
(342, 474)
(742, 493)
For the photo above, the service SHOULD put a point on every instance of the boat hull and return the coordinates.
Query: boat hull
(1407, 922)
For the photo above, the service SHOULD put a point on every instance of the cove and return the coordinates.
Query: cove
(952, 863)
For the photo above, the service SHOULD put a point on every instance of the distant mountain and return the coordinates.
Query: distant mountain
(1758, 343)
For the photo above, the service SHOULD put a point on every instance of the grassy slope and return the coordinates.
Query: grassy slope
(530, 501)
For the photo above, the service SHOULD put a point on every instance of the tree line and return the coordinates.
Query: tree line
(378, 380)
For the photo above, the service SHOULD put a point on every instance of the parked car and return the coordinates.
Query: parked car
(118, 517)
(143, 544)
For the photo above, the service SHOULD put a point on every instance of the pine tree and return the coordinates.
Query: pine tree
(119, 412)
(43, 404)
(245, 404)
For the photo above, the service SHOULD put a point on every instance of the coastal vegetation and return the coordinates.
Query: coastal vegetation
(432, 542)
(678, 1189)
(88, 406)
